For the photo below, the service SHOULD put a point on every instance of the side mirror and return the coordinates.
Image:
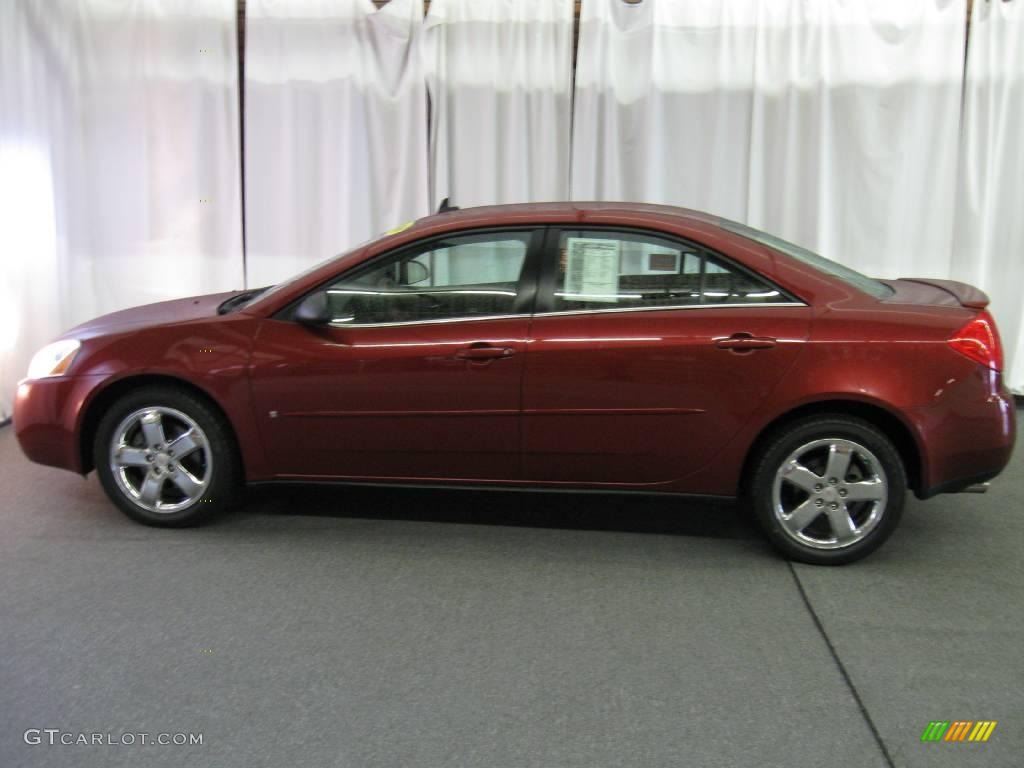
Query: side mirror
(313, 310)
(415, 272)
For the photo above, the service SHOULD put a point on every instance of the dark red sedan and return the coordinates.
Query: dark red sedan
(598, 346)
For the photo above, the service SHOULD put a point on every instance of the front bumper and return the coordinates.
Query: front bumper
(47, 418)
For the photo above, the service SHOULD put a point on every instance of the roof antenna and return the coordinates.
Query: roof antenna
(445, 207)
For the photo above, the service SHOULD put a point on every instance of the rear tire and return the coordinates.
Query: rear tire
(828, 490)
(166, 457)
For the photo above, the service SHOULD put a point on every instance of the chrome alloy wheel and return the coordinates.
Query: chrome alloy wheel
(829, 494)
(160, 459)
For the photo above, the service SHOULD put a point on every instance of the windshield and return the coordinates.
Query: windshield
(247, 297)
(849, 276)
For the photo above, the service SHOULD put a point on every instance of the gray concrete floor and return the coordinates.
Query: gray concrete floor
(369, 627)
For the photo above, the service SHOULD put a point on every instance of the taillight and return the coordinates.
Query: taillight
(979, 340)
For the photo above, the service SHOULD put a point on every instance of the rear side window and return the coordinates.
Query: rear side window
(607, 270)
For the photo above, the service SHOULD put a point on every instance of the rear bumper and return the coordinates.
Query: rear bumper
(977, 484)
(969, 437)
(46, 418)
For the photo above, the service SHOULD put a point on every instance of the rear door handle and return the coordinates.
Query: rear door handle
(484, 352)
(745, 342)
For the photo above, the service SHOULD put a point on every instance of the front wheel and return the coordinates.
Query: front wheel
(166, 457)
(828, 490)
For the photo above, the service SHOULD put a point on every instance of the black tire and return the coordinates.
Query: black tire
(224, 481)
(873, 526)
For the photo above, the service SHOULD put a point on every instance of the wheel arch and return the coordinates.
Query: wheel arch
(109, 394)
(902, 436)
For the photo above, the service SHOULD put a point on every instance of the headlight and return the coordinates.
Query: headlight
(53, 359)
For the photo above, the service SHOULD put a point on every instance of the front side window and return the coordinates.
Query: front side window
(462, 276)
(609, 270)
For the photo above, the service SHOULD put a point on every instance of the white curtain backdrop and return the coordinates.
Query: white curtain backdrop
(34, 101)
(834, 123)
(831, 123)
(335, 128)
(989, 242)
(500, 78)
(663, 102)
(119, 162)
(855, 121)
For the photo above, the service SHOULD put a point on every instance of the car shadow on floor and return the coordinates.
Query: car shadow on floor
(634, 513)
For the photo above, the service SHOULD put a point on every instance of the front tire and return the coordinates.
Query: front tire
(828, 490)
(166, 457)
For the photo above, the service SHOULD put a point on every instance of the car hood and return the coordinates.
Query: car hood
(176, 310)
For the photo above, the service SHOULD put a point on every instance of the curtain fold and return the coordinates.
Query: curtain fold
(662, 104)
(335, 128)
(831, 123)
(855, 120)
(500, 80)
(989, 227)
(119, 162)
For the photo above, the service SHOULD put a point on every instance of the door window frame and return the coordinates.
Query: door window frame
(548, 283)
(526, 288)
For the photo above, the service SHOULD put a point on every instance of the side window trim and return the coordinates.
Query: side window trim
(526, 288)
(670, 308)
(547, 284)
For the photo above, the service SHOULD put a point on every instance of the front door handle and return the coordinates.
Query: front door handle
(745, 342)
(484, 352)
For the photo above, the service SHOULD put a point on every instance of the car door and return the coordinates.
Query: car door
(647, 354)
(417, 376)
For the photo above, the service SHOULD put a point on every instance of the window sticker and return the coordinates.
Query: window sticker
(592, 269)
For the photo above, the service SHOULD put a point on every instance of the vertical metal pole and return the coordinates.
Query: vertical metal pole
(240, 26)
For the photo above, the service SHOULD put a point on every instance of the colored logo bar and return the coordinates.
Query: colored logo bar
(958, 730)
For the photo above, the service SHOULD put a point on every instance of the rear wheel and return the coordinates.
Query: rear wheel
(828, 490)
(166, 457)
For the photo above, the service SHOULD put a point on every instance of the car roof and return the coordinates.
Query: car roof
(567, 211)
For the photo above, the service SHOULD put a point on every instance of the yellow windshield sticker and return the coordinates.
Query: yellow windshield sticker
(399, 228)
